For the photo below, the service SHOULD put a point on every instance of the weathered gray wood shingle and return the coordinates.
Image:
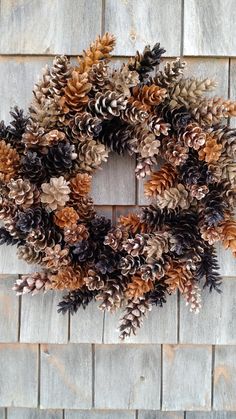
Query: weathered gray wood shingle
(225, 378)
(21, 413)
(9, 310)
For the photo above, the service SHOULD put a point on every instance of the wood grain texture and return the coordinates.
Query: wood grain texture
(233, 87)
(21, 413)
(86, 326)
(216, 322)
(186, 377)
(210, 415)
(55, 27)
(227, 262)
(225, 378)
(159, 327)
(148, 414)
(18, 375)
(2, 413)
(9, 311)
(103, 414)
(40, 322)
(66, 377)
(115, 183)
(137, 24)
(125, 376)
(209, 27)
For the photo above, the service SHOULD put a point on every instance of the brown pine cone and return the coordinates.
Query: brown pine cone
(112, 295)
(123, 79)
(99, 50)
(135, 112)
(198, 191)
(228, 236)
(98, 76)
(80, 185)
(32, 283)
(174, 151)
(172, 71)
(85, 124)
(55, 194)
(66, 217)
(38, 241)
(115, 238)
(33, 135)
(211, 111)
(23, 193)
(129, 265)
(91, 155)
(193, 136)
(68, 278)
(138, 287)
(157, 244)
(212, 150)
(84, 207)
(56, 257)
(145, 166)
(132, 223)
(174, 197)
(108, 104)
(60, 73)
(177, 276)
(93, 280)
(76, 93)
(29, 254)
(75, 234)
(211, 234)
(161, 180)
(135, 246)
(157, 125)
(7, 210)
(149, 95)
(9, 162)
(133, 317)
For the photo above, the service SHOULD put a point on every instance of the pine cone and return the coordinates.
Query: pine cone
(192, 296)
(161, 180)
(99, 227)
(177, 117)
(158, 126)
(91, 155)
(214, 206)
(55, 193)
(66, 217)
(135, 112)
(75, 234)
(211, 111)
(29, 254)
(76, 93)
(227, 137)
(80, 185)
(74, 300)
(145, 166)
(84, 207)
(157, 244)
(174, 197)
(193, 136)
(188, 91)
(9, 162)
(195, 172)
(29, 219)
(149, 95)
(138, 287)
(146, 62)
(118, 136)
(177, 277)
(98, 50)
(56, 257)
(135, 246)
(85, 124)
(129, 265)
(23, 193)
(112, 295)
(132, 223)
(198, 192)
(211, 234)
(133, 317)
(170, 74)
(32, 283)
(12, 134)
(115, 238)
(108, 104)
(98, 76)
(158, 295)
(60, 73)
(84, 251)
(93, 280)
(152, 216)
(32, 168)
(229, 235)
(68, 278)
(60, 158)
(174, 151)
(123, 79)
(212, 150)
(148, 144)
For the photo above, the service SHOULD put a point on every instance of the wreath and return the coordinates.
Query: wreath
(77, 116)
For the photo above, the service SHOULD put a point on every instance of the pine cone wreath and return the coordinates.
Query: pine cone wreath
(183, 147)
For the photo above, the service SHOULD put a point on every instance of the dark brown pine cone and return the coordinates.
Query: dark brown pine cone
(7, 238)
(195, 171)
(112, 294)
(107, 105)
(177, 117)
(32, 168)
(85, 124)
(84, 251)
(115, 238)
(29, 219)
(136, 246)
(99, 227)
(60, 159)
(75, 299)
(135, 310)
(84, 207)
(129, 265)
(118, 136)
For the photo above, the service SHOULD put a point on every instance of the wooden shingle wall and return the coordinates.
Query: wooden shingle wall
(179, 365)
